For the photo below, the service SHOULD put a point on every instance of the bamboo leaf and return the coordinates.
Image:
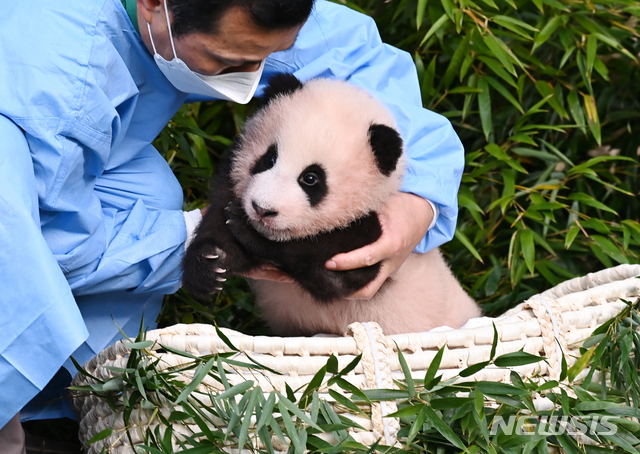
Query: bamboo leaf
(443, 428)
(434, 28)
(100, 435)
(609, 248)
(422, 6)
(491, 3)
(466, 200)
(407, 373)
(504, 92)
(508, 19)
(546, 32)
(547, 91)
(198, 376)
(497, 47)
(590, 201)
(556, 4)
(494, 343)
(315, 382)
(290, 428)
(614, 43)
(465, 241)
(567, 54)
(484, 104)
(456, 60)
(427, 84)
(473, 369)
(539, 5)
(267, 410)
(463, 89)
(576, 109)
(345, 401)
(296, 411)
(234, 390)
(385, 394)
(347, 386)
(405, 412)
(528, 248)
(246, 421)
(571, 235)
(518, 358)
(496, 388)
(592, 117)
(417, 424)
(497, 68)
(601, 68)
(434, 367)
(352, 365)
(142, 345)
(498, 153)
(592, 47)
(514, 25)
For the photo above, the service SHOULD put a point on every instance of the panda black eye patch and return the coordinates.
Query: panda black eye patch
(313, 181)
(266, 161)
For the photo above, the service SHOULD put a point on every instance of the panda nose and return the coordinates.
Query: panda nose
(263, 212)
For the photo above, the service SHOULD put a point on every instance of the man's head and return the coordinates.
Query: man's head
(204, 15)
(220, 36)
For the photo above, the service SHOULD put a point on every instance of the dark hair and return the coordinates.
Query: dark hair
(203, 15)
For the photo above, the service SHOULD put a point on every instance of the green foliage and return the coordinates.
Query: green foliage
(544, 95)
(435, 416)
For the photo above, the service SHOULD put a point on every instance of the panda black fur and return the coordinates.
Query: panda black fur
(303, 183)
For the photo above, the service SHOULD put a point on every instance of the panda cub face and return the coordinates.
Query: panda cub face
(316, 158)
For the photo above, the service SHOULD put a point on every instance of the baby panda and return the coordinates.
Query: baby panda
(302, 183)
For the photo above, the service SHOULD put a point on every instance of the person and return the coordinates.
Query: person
(91, 217)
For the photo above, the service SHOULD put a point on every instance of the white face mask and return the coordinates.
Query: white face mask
(238, 87)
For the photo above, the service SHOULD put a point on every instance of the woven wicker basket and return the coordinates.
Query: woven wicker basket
(561, 317)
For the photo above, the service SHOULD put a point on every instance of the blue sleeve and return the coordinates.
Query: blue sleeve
(40, 323)
(340, 43)
(90, 100)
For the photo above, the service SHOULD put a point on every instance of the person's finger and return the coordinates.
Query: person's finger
(358, 258)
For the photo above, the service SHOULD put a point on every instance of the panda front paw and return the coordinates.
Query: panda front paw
(216, 263)
(205, 270)
(238, 224)
(233, 213)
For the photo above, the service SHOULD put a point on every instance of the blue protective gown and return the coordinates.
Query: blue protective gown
(91, 227)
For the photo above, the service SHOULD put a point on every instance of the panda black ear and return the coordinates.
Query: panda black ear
(386, 144)
(280, 85)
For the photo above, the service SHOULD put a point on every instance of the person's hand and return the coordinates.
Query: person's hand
(268, 273)
(404, 221)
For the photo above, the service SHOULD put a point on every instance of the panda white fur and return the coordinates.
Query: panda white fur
(303, 183)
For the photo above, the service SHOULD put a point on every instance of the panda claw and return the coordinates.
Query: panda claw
(228, 221)
(221, 279)
(218, 289)
(220, 270)
(211, 256)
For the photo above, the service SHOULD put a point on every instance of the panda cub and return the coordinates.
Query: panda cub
(303, 183)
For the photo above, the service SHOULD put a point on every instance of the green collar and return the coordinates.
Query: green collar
(132, 11)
